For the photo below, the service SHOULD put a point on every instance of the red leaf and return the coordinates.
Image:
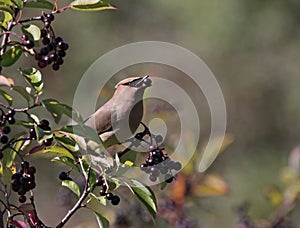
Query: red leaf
(35, 149)
(19, 224)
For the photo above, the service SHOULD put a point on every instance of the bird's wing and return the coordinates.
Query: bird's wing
(101, 119)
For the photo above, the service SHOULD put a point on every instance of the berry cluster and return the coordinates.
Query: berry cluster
(44, 125)
(115, 199)
(23, 180)
(159, 163)
(53, 50)
(7, 117)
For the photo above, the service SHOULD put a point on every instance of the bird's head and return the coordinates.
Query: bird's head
(135, 82)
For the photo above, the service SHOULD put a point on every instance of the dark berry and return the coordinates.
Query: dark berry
(50, 17)
(169, 178)
(154, 171)
(16, 176)
(22, 191)
(44, 33)
(157, 153)
(45, 40)
(58, 39)
(150, 161)
(22, 199)
(159, 138)
(59, 61)
(47, 23)
(32, 134)
(50, 46)
(30, 177)
(61, 53)
(115, 200)
(99, 181)
(176, 165)
(109, 196)
(29, 44)
(63, 45)
(143, 166)
(44, 51)
(47, 59)
(6, 130)
(152, 178)
(1, 154)
(15, 185)
(20, 171)
(11, 120)
(47, 142)
(24, 37)
(102, 192)
(42, 64)
(11, 112)
(163, 169)
(63, 176)
(4, 139)
(31, 185)
(44, 124)
(25, 164)
(53, 56)
(31, 170)
(38, 56)
(55, 66)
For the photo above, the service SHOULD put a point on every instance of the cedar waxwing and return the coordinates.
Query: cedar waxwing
(119, 118)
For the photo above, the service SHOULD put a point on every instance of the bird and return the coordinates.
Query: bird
(120, 116)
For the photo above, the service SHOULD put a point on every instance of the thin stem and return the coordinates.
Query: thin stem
(30, 19)
(79, 203)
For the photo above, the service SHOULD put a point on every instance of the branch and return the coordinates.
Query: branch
(78, 205)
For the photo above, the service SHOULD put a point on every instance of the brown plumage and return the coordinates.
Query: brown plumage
(119, 117)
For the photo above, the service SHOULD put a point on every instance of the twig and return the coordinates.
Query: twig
(78, 205)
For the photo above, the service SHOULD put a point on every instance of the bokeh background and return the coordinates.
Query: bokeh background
(253, 48)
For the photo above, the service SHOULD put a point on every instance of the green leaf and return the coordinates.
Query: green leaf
(145, 196)
(102, 221)
(91, 5)
(7, 2)
(7, 97)
(42, 134)
(6, 9)
(60, 151)
(33, 77)
(66, 161)
(67, 142)
(32, 31)
(43, 4)
(5, 17)
(9, 156)
(57, 110)
(23, 92)
(72, 186)
(18, 3)
(95, 202)
(11, 56)
(83, 131)
(92, 173)
(7, 173)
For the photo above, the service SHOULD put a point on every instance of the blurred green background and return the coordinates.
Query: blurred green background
(253, 48)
